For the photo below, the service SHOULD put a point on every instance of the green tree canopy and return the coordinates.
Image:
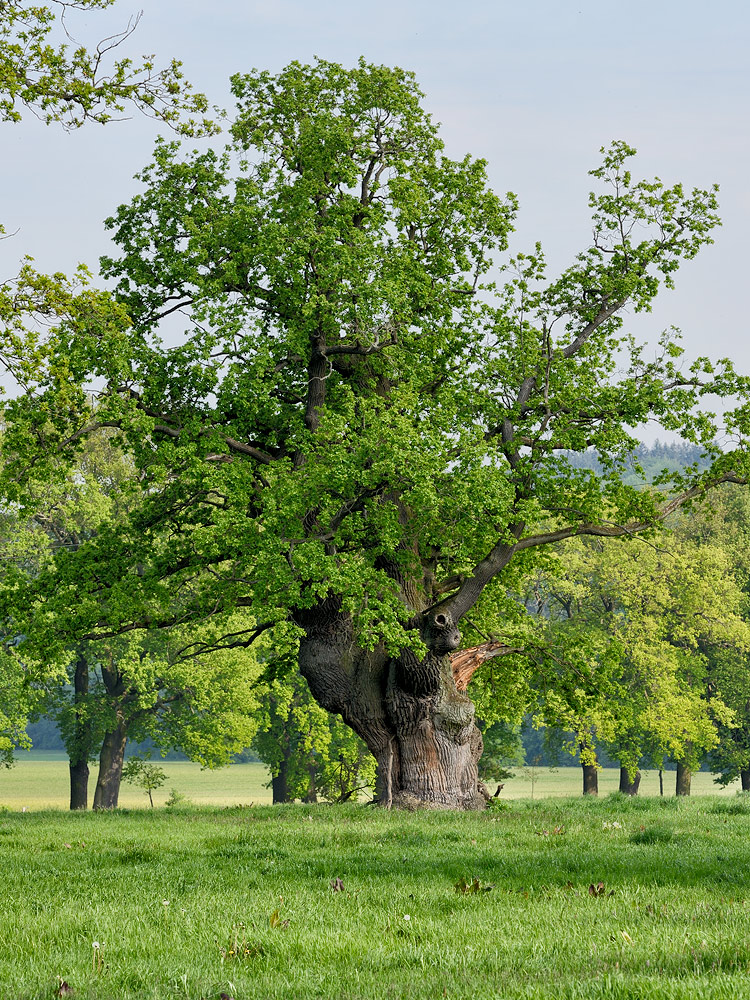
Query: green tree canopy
(630, 627)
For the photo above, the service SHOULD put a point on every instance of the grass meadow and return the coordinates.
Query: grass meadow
(552, 898)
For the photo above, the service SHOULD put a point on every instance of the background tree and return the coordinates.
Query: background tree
(629, 626)
(145, 775)
(41, 71)
(163, 688)
(725, 523)
(331, 271)
(24, 546)
(307, 750)
(159, 686)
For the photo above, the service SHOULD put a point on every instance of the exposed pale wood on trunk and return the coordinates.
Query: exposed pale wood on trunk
(465, 662)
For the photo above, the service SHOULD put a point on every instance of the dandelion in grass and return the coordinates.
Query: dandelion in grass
(407, 916)
(96, 956)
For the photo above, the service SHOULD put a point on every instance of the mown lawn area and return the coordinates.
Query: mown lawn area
(203, 901)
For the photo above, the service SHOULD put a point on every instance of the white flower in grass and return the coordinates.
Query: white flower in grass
(165, 902)
(95, 945)
(407, 916)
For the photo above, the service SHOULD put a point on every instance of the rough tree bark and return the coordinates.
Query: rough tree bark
(79, 784)
(111, 759)
(684, 775)
(590, 779)
(311, 795)
(410, 713)
(280, 781)
(81, 738)
(629, 786)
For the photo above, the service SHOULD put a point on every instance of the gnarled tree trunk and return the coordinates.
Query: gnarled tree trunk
(409, 712)
(111, 760)
(628, 785)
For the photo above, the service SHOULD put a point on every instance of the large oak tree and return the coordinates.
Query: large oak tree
(350, 409)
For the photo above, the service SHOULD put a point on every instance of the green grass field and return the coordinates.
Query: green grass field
(200, 902)
(40, 781)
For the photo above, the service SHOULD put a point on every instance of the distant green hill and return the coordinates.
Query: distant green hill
(652, 460)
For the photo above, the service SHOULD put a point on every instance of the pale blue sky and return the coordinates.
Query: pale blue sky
(536, 88)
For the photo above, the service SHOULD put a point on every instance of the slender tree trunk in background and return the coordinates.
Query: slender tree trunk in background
(280, 781)
(79, 784)
(79, 748)
(110, 767)
(684, 775)
(628, 786)
(311, 795)
(745, 780)
(661, 781)
(414, 720)
(590, 779)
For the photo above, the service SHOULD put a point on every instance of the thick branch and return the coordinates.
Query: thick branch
(605, 313)
(471, 587)
(619, 530)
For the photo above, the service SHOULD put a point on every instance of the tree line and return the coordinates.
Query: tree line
(635, 649)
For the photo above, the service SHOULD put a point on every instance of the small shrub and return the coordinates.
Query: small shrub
(177, 798)
(497, 805)
(238, 947)
(145, 775)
